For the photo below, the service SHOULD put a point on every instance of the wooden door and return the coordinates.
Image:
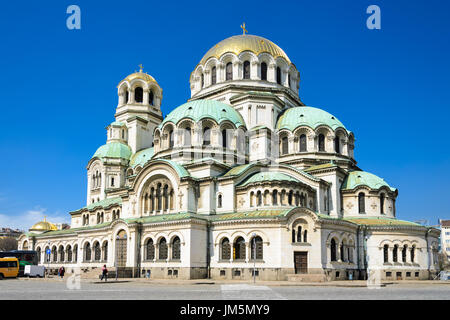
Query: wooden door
(301, 262)
(121, 249)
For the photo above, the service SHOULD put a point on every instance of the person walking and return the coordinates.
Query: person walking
(104, 273)
(62, 271)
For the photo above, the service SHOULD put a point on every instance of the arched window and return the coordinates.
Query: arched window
(38, 255)
(382, 203)
(75, 253)
(219, 201)
(405, 248)
(333, 250)
(321, 142)
(55, 254)
(61, 254)
(293, 235)
(246, 69)
(386, 253)
(413, 253)
(263, 71)
(229, 71)
(187, 136)
(278, 75)
(342, 251)
(284, 145)
(158, 197)
(224, 138)
(213, 75)
(239, 249)
(256, 248)
(203, 80)
(337, 147)
(171, 139)
(105, 251)
(166, 197)
(138, 94)
(290, 197)
(176, 249)
(87, 252)
(252, 195)
(303, 143)
(361, 203)
(149, 250)
(226, 249)
(275, 197)
(162, 249)
(258, 199)
(206, 136)
(151, 98)
(305, 236)
(299, 234)
(394, 253)
(126, 97)
(97, 252)
(289, 80)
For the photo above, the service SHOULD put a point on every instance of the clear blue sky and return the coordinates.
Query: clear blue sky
(391, 87)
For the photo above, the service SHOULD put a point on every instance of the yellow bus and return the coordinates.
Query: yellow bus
(9, 267)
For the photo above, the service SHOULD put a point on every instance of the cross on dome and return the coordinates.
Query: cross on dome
(243, 28)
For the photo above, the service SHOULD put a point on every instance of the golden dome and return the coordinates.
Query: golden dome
(140, 75)
(241, 43)
(43, 226)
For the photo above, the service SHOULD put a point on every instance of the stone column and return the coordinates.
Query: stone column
(254, 71)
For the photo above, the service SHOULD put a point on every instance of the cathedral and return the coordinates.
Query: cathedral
(243, 180)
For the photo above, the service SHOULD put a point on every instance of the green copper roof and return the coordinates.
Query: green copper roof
(141, 157)
(268, 176)
(118, 124)
(311, 117)
(380, 221)
(113, 150)
(254, 214)
(201, 109)
(181, 171)
(362, 178)
(238, 170)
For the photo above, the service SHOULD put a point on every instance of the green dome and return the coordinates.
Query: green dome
(362, 178)
(141, 157)
(113, 150)
(311, 117)
(268, 176)
(202, 109)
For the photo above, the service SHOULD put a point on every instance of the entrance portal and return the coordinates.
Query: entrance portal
(121, 249)
(301, 262)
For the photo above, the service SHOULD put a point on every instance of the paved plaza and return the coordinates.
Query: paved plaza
(49, 289)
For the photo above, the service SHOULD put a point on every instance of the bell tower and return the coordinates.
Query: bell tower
(139, 107)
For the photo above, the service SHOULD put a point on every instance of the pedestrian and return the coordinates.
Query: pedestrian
(61, 273)
(104, 273)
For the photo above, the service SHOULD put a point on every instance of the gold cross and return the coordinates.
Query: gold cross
(243, 28)
(140, 67)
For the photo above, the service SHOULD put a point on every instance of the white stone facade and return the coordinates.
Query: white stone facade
(242, 176)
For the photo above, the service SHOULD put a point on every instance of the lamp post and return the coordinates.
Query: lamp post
(254, 257)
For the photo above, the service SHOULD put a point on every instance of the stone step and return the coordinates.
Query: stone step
(306, 277)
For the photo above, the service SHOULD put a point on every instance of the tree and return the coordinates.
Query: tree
(7, 244)
(444, 263)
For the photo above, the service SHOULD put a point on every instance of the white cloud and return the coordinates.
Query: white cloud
(25, 220)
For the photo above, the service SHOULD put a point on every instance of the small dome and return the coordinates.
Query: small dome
(362, 178)
(113, 150)
(311, 117)
(141, 157)
(241, 43)
(268, 176)
(140, 75)
(43, 226)
(202, 109)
